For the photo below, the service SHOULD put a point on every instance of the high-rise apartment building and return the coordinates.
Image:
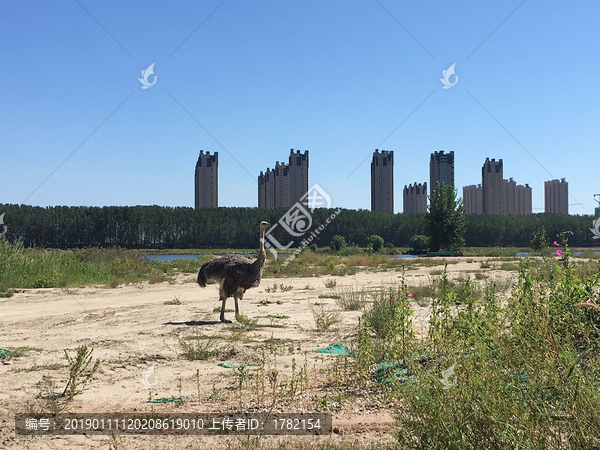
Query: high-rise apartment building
(263, 180)
(382, 181)
(441, 169)
(266, 189)
(206, 181)
(473, 199)
(298, 175)
(556, 196)
(495, 195)
(509, 206)
(286, 184)
(517, 199)
(414, 198)
(281, 185)
(524, 200)
(492, 182)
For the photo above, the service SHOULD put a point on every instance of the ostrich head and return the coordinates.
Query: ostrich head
(263, 226)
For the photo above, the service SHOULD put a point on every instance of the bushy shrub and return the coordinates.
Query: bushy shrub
(376, 242)
(350, 299)
(389, 317)
(337, 243)
(419, 242)
(496, 372)
(540, 240)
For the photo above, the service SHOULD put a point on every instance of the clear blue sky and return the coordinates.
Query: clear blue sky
(335, 77)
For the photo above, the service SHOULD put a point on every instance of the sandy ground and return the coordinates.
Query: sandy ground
(130, 329)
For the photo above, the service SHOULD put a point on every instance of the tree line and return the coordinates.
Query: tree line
(183, 227)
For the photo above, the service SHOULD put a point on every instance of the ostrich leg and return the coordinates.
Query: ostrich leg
(237, 308)
(239, 295)
(223, 297)
(222, 317)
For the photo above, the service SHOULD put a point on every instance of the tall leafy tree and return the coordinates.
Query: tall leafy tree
(182, 227)
(445, 219)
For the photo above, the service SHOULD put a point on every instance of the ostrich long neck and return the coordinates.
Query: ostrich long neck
(260, 261)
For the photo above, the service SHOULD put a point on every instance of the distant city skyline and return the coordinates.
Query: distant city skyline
(285, 184)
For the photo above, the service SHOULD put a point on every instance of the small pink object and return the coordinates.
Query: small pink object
(559, 252)
(410, 305)
(410, 294)
(555, 243)
(588, 304)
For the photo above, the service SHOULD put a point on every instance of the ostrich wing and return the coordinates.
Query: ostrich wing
(234, 268)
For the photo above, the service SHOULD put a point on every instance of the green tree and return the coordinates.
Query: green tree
(540, 240)
(181, 227)
(337, 243)
(445, 219)
(376, 242)
(419, 242)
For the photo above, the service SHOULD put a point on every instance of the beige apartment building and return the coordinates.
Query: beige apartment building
(517, 199)
(382, 181)
(524, 200)
(492, 178)
(556, 196)
(473, 199)
(441, 169)
(414, 198)
(284, 185)
(298, 175)
(496, 195)
(206, 181)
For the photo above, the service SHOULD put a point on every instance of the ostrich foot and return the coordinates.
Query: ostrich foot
(223, 320)
(242, 319)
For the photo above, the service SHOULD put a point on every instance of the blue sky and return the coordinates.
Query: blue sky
(333, 77)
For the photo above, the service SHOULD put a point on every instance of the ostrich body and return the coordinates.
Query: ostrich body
(235, 274)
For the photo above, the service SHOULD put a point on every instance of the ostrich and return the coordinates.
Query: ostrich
(235, 274)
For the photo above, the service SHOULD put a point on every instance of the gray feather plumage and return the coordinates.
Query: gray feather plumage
(233, 271)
